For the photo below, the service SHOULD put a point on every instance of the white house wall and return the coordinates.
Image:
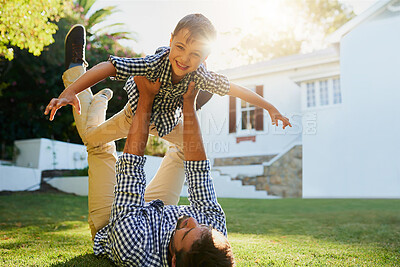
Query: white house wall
(280, 89)
(46, 154)
(215, 121)
(355, 152)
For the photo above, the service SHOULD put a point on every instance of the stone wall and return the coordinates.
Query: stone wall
(283, 178)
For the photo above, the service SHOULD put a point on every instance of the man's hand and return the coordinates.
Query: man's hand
(191, 94)
(147, 88)
(65, 98)
(276, 116)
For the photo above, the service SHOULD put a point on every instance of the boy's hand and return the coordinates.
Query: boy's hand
(276, 116)
(147, 88)
(191, 93)
(64, 99)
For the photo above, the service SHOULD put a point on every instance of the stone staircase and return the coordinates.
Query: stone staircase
(280, 176)
(225, 187)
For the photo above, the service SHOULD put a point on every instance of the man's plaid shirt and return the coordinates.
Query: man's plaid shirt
(167, 106)
(138, 233)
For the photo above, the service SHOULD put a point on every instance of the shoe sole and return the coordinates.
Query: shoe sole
(73, 27)
(66, 37)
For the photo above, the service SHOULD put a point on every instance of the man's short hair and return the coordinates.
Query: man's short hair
(204, 253)
(199, 27)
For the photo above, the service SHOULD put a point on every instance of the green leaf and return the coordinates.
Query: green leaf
(86, 4)
(100, 16)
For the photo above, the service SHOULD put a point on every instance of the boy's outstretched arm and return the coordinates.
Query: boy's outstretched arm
(88, 79)
(255, 99)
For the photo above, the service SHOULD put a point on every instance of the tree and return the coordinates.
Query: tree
(292, 27)
(29, 82)
(100, 16)
(28, 25)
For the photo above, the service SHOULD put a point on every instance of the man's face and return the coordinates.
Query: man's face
(186, 232)
(185, 56)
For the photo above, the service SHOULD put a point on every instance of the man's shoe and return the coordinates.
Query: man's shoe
(75, 43)
(202, 98)
(106, 93)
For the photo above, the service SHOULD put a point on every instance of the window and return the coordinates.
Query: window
(248, 115)
(310, 94)
(337, 95)
(323, 93)
(249, 118)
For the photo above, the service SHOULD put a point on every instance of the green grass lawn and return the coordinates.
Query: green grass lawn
(43, 229)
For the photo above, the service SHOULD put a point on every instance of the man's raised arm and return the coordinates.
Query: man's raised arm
(130, 176)
(139, 130)
(197, 168)
(193, 147)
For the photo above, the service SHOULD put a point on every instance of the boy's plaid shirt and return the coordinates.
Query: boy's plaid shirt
(167, 106)
(139, 233)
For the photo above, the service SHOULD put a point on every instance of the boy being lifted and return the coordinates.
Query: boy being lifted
(174, 67)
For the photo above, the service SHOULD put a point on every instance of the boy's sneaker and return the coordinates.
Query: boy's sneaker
(106, 93)
(75, 43)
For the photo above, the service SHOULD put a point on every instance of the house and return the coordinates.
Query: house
(342, 102)
(360, 155)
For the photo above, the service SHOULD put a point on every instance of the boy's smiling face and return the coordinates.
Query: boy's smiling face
(186, 55)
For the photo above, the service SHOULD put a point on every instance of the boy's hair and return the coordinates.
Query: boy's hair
(199, 27)
(204, 253)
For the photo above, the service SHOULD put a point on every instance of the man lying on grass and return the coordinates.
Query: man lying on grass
(124, 227)
(152, 234)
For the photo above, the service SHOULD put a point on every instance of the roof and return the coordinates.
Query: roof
(328, 55)
(376, 9)
(296, 61)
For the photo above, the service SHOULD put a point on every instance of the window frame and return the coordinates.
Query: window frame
(318, 94)
(334, 93)
(247, 132)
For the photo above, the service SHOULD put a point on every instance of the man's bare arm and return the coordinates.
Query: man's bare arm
(139, 130)
(193, 147)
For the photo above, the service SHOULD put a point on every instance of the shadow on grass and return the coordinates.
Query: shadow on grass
(86, 260)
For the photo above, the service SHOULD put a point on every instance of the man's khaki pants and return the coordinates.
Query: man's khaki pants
(98, 135)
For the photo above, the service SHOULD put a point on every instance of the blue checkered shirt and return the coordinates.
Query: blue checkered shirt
(138, 233)
(167, 106)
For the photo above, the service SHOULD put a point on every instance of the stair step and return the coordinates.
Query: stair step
(225, 187)
(241, 170)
